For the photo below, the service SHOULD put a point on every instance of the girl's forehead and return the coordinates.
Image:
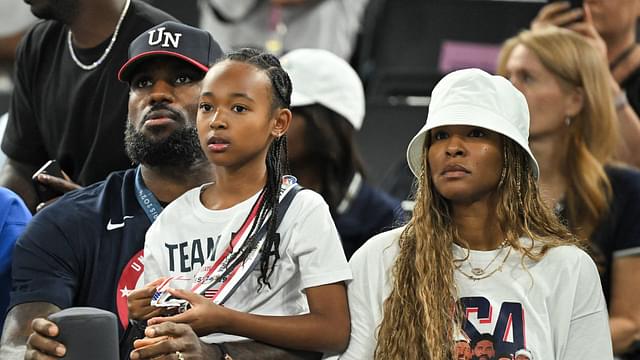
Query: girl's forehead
(233, 68)
(237, 75)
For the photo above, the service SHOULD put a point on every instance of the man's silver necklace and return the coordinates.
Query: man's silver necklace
(106, 51)
(478, 273)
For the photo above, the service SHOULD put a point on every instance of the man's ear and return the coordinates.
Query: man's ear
(282, 118)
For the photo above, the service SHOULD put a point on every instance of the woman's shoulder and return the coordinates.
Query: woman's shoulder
(569, 256)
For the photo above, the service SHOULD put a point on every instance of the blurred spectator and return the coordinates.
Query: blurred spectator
(281, 25)
(328, 107)
(67, 103)
(610, 25)
(573, 136)
(14, 217)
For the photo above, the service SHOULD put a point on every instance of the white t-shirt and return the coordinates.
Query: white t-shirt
(186, 233)
(555, 308)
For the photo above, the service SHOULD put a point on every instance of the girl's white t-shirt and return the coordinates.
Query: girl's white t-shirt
(186, 233)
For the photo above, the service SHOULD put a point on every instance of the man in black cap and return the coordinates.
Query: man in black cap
(86, 248)
(66, 104)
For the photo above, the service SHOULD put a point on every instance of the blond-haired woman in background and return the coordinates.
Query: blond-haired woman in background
(573, 136)
(480, 236)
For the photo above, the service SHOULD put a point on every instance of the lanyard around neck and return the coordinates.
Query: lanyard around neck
(146, 199)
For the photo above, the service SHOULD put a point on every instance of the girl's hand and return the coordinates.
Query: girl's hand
(139, 302)
(204, 316)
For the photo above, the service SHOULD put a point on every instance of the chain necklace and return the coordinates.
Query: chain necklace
(106, 51)
(480, 273)
(622, 57)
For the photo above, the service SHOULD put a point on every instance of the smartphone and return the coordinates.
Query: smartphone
(51, 168)
(574, 3)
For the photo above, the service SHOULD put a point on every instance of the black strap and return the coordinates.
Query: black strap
(618, 60)
(283, 206)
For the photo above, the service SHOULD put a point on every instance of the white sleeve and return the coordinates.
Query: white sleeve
(589, 335)
(316, 244)
(365, 310)
(153, 259)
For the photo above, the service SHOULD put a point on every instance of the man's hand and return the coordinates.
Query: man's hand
(61, 185)
(40, 345)
(139, 302)
(166, 340)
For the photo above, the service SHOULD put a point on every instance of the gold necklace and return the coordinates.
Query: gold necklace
(480, 273)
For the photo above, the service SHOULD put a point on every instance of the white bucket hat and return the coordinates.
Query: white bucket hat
(321, 77)
(475, 98)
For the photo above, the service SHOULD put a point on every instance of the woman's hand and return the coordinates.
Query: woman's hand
(556, 14)
(588, 30)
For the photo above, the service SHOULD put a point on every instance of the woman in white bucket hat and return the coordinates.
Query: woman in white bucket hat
(574, 133)
(480, 237)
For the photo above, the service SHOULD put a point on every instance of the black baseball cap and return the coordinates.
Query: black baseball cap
(193, 45)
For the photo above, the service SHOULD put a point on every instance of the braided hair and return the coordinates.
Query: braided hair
(276, 162)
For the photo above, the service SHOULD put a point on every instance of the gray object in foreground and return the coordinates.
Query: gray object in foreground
(87, 333)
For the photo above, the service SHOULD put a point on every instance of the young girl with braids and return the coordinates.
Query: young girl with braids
(294, 297)
(482, 259)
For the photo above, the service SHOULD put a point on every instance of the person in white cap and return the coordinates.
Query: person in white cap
(481, 237)
(328, 107)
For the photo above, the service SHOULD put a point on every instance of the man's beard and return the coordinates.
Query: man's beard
(180, 149)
